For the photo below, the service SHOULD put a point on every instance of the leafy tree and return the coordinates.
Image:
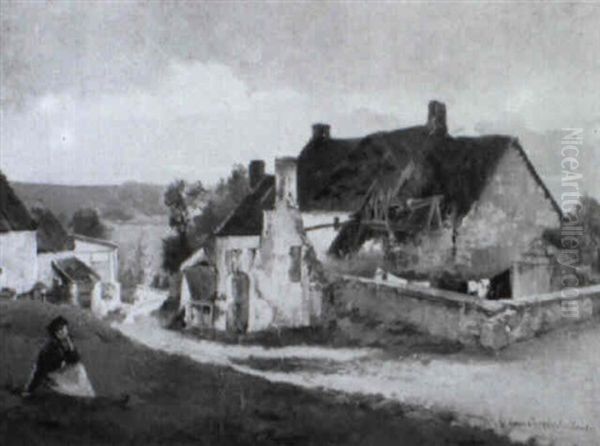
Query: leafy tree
(178, 209)
(585, 244)
(589, 215)
(175, 250)
(195, 212)
(87, 222)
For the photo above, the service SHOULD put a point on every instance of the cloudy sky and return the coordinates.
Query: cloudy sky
(104, 92)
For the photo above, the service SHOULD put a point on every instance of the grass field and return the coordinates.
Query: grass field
(174, 400)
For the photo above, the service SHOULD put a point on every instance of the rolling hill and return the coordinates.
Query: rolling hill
(118, 202)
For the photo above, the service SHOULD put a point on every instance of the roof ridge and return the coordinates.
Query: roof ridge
(516, 144)
(99, 241)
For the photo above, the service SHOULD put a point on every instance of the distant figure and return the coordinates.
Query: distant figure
(58, 367)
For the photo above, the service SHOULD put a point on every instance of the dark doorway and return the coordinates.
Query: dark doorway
(500, 286)
(240, 285)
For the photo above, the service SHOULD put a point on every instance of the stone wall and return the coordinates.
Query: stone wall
(355, 303)
(511, 214)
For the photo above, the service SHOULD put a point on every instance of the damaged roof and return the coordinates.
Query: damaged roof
(74, 270)
(455, 167)
(316, 162)
(51, 235)
(13, 213)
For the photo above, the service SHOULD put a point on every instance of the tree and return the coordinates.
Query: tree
(175, 250)
(87, 222)
(589, 216)
(226, 196)
(195, 212)
(580, 237)
(178, 210)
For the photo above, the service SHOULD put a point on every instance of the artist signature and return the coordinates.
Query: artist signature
(548, 424)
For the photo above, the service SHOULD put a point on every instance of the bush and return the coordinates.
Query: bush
(87, 222)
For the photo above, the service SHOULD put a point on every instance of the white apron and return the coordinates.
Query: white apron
(72, 380)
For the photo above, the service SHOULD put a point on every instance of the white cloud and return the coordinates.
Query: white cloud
(195, 123)
(200, 118)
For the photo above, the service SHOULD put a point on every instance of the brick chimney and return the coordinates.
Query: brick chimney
(321, 131)
(256, 172)
(436, 118)
(286, 180)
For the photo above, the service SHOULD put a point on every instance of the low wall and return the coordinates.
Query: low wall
(355, 301)
(529, 316)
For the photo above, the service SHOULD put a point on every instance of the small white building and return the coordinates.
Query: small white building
(18, 245)
(93, 264)
(100, 255)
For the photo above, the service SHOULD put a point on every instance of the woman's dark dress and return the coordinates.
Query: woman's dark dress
(52, 357)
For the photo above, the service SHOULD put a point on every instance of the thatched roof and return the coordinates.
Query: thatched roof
(316, 162)
(457, 168)
(13, 213)
(337, 174)
(51, 235)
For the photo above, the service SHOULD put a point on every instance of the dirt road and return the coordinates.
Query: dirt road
(548, 388)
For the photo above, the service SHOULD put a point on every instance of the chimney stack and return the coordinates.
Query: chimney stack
(256, 172)
(286, 180)
(436, 118)
(321, 131)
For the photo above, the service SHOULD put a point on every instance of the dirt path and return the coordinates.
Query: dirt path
(548, 389)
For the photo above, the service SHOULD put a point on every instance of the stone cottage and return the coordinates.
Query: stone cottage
(262, 272)
(448, 209)
(18, 245)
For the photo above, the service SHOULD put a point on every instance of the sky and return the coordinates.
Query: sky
(149, 91)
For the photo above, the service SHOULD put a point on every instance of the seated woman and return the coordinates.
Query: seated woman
(58, 365)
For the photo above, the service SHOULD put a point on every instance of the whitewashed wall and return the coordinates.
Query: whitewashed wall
(282, 292)
(247, 247)
(45, 270)
(18, 260)
(101, 258)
